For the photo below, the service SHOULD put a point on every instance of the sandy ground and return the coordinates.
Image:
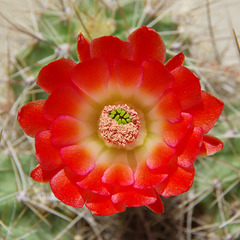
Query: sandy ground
(211, 28)
(18, 13)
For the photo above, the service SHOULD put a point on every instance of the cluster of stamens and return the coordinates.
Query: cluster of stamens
(119, 124)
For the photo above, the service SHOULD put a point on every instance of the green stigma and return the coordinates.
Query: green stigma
(120, 115)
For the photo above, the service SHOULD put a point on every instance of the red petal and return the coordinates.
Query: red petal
(93, 181)
(147, 44)
(78, 159)
(83, 48)
(128, 75)
(118, 174)
(73, 177)
(156, 79)
(66, 191)
(31, 119)
(103, 206)
(175, 62)
(92, 77)
(187, 87)
(132, 197)
(110, 48)
(160, 155)
(55, 74)
(169, 107)
(64, 100)
(66, 130)
(40, 175)
(157, 207)
(206, 114)
(210, 146)
(145, 178)
(177, 183)
(173, 133)
(47, 155)
(190, 147)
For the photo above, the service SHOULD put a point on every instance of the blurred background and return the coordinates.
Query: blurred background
(36, 32)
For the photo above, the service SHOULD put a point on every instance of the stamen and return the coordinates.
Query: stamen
(119, 124)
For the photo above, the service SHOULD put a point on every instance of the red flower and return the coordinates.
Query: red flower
(120, 128)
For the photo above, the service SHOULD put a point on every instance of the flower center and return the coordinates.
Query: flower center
(119, 124)
(120, 115)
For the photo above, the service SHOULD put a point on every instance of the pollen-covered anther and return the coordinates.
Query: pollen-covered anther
(119, 124)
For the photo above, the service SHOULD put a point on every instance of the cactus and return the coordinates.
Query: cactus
(28, 210)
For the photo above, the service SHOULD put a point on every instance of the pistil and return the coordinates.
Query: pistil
(119, 125)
